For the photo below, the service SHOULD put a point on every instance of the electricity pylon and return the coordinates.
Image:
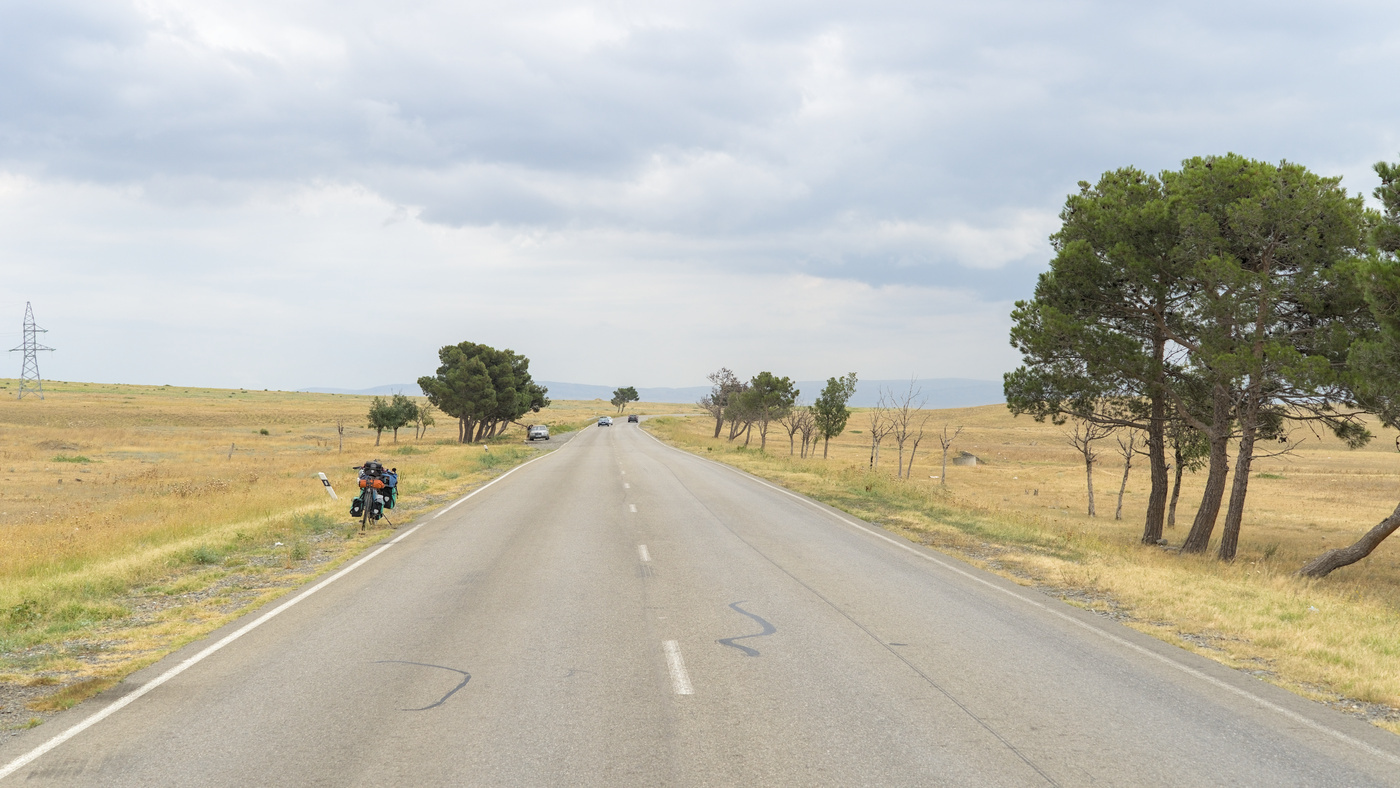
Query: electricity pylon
(29, 379)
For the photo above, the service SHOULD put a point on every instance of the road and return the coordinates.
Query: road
(621, 613)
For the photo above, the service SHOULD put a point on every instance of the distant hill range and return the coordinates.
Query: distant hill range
(941, 392)
(411, 389)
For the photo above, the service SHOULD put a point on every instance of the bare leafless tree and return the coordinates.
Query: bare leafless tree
(945, 440)
(792, 422)
(880, 426)
(907, 419)
(1082, 439)
(916, 438)
(1127, 450)
(808, 428)
(340, 430)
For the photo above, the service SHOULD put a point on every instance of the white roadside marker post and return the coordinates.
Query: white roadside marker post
(329, 489)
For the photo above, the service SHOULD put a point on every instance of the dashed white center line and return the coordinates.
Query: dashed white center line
(632, 506)
(680, 680)
(626, 486)
(642, 551)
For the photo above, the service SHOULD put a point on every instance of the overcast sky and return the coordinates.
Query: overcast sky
(294, 194)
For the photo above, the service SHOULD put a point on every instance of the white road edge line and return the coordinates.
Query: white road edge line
(632, 506)
(680, 680)
(1187, 669)
(642, 551)
(126, 700)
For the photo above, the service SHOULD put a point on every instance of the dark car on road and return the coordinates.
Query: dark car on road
(632, 419)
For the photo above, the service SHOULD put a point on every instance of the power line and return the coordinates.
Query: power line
(31, 347)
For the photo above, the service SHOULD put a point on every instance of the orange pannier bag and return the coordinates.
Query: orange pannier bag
(378, 484)
(364, 483)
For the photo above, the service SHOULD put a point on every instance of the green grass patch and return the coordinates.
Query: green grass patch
(316, 522)
(70, 458)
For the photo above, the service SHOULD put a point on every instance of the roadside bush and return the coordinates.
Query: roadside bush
(205, 555)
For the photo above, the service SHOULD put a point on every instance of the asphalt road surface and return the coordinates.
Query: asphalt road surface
(620, 613)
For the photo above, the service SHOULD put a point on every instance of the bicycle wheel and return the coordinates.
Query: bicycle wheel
(366, 500)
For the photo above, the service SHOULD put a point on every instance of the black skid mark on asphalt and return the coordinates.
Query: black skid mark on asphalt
(768, 629)
(465, 678)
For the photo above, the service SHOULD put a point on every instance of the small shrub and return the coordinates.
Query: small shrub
(24, 614)
(264, 432)
(297, 550)
(205, 555)
(409, 450)
(70, 458)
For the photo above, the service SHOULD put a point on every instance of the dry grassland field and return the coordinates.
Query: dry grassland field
(1021, 512)
(134, 519)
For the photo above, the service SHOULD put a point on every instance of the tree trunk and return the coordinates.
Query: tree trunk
(1333, 560)
(912, 451)
(377, 433)
(943, 474)
(1089, 479)
(1176, 493)
(825, 443)
(1157, 465)
(1199, 538)
(1234, 514)
(396, 435)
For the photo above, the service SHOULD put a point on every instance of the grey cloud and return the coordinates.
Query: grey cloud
(758, 124)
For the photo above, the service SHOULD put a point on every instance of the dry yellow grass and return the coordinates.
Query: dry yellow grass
(1023, 514)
